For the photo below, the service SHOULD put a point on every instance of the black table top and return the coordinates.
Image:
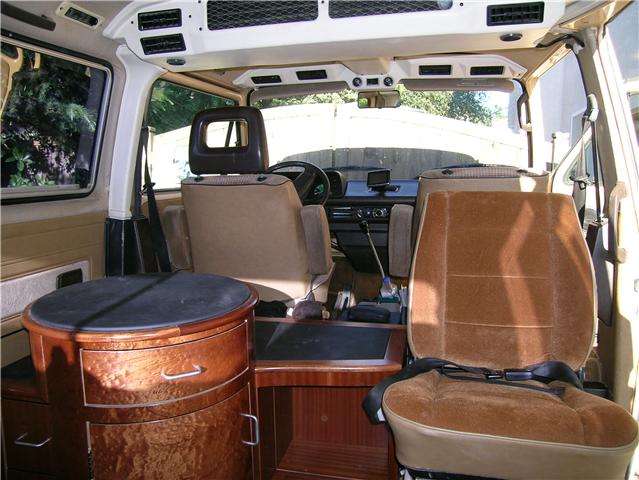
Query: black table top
(303, 341)
(139, 302)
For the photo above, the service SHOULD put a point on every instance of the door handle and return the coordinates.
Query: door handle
(617, 253)
(253, 418)
(166, 376)
(22, 443)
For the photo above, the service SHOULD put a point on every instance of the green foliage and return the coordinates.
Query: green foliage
(174, 106)
(44, 119)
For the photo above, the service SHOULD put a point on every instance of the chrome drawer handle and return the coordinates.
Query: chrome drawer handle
(18, 441)
(253, 418)
(166, 376)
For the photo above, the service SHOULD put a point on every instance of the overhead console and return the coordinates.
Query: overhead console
(183, 36)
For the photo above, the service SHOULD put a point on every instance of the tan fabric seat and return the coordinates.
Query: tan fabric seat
(485, 178)
(252, 226)
(504, 280)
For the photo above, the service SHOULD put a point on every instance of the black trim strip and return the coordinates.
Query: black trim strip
(27, 17)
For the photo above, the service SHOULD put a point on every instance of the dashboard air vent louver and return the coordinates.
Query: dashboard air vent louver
(435, 69)
(491, 70)
(223, 14)
(160, 19)
(365, 8)
(264, 79)
(82, 17)
(163, 44)
(311, 75)
(515, 14)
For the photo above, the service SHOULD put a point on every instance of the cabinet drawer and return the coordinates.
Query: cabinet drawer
(207, 444)
(156, 375)
(27, 436)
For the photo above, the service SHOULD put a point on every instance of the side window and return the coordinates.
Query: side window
(560, 101)
(625, 40)
(171, 112)
(52, 108)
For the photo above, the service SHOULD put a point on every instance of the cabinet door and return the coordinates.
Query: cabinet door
(207, 444)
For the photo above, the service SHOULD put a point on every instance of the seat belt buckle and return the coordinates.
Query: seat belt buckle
(517, 375)
(491, 374)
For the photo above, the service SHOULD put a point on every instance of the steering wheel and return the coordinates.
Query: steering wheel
(304, 182)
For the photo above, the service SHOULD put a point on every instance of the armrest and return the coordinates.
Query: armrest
(318, 239)
(399, 240)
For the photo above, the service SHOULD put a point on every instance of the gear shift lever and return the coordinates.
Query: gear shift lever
(388, 290)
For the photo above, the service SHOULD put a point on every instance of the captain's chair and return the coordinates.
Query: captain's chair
(504, 280)
(252, 226)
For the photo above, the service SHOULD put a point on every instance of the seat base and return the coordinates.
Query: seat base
(487, 430)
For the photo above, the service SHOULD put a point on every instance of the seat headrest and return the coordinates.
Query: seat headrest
(249, 158)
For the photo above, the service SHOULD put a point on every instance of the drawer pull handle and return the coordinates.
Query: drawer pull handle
(20, 442)
(253, 418)
(166, 376)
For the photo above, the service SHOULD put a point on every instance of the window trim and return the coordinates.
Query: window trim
(10, 196)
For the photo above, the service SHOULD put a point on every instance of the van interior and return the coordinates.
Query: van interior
(319, 239)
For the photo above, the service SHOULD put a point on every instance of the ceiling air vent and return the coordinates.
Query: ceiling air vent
(482, 71)
(160, 19)
(262, 79)
(515, 14)
(223, 14)
(163, 44)
(311, 75)
(435, 69)
(365, 8)
(86, 18)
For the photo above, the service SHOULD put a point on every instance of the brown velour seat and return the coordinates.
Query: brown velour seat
(504, 280)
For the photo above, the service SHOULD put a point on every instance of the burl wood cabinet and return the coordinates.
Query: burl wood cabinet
(163, 403)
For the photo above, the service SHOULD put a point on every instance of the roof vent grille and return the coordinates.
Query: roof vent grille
(160, 19)
(163, 44)
(311, 75)
(365, 8)
(263, 79)
(435, 69)
(82, 17)
(491, 70)
(223, 14)
(515, 14)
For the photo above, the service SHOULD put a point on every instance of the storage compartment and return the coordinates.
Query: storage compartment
(321, 431)
(203, 444)
(27, 436)
(151, 375)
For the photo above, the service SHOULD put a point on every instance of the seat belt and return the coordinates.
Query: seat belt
(581, 180)
(151, 246)
(545, 372)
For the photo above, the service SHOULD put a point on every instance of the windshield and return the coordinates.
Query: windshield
(429, 130)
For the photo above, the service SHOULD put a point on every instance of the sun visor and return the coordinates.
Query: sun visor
(465, 84)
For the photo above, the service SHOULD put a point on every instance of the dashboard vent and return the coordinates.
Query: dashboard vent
(515, 14)
(365, 8)
(342, 213)
(223, 14)
(163, 44)
(311, 75)
(82, 17)
(160, 19)
(435, 69)
(481, 71)
(263, 79)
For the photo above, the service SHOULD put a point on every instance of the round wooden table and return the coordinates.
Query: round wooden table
(148, 376)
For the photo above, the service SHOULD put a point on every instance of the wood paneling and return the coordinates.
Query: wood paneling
(313, 425)
(27, 422)
(205, 444)
(141, 376)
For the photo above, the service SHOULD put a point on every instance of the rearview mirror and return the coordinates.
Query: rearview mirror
(378, 99)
